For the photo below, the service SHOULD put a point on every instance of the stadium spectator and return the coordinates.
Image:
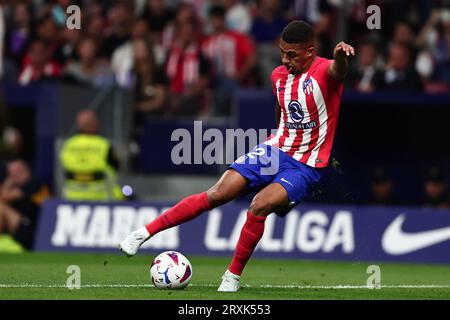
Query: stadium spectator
(381, 188)
(399, 74)
(434, 39)
(188, 71)
(38, 64)
(19, 33)
(232, 56)
(48, 32)
(266, 30)
(123, 57)
(238, 16)
(434, 34)
(150, 81)
(158, 15)
(426, 67)
(95, 24)
(89, 163)
(120, 17)
(404, 33)
(268, 22)
(436, 189)
(67, 52)
(186, 13)
(363, 75)
(319, 13)
(11, 143)
(90, 69)
(21, 197)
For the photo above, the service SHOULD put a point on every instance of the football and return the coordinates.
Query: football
(171, 270)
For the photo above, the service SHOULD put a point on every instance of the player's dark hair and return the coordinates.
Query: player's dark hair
(297, 32)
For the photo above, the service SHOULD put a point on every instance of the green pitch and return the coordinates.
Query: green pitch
(111, 276)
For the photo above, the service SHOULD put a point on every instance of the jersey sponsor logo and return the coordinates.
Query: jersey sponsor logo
(308, 125)
(308, 86)
(295, 111)
(397, 242)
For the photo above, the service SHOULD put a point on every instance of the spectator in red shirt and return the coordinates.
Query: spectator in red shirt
(232, 55)
(37, 64)
(187, 70)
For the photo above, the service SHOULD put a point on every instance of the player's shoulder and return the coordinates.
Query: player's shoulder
(319, 64)
(279, 72)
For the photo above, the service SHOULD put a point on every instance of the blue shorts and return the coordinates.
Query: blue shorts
(266, 164)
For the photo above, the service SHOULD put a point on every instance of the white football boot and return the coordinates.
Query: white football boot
(133, 241)
(230, 282)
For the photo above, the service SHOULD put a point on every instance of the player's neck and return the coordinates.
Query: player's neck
(308, 64)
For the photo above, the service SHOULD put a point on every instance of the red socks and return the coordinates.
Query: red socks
(185, 210)
(192, 206)
(251, 233)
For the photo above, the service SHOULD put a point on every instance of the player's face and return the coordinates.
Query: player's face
(295, 57)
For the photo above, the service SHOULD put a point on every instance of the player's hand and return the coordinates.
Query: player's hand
(343, 50)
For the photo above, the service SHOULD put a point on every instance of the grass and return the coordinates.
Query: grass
(110, 276)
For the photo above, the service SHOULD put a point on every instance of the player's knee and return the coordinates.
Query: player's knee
(216, 197)
(260, 207)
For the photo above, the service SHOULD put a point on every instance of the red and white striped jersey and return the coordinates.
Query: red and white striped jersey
(310, 105)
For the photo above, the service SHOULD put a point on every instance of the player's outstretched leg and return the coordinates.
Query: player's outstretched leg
(271, 199)
(230, 185)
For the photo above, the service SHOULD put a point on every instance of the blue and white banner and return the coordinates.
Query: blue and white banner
(307, 232)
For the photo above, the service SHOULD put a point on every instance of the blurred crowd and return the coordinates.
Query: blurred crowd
(384, 189)
(187, 57)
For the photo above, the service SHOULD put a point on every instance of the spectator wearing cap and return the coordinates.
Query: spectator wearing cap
(381, 188)
(436, 189)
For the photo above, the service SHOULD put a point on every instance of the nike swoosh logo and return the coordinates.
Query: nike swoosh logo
(397, 242)
(284, 180)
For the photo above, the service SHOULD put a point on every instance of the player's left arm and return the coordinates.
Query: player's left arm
(339, 67)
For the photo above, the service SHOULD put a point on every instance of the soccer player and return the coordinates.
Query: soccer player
(308, 90)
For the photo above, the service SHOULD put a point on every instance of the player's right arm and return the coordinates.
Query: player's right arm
(339, 67)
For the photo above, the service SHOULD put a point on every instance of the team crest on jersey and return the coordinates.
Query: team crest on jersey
(295, 111)
(307, 86)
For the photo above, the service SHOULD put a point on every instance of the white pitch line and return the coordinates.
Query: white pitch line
(400, 286)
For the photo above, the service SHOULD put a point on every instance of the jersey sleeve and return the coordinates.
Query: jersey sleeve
(273, 80)
(324, 77)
